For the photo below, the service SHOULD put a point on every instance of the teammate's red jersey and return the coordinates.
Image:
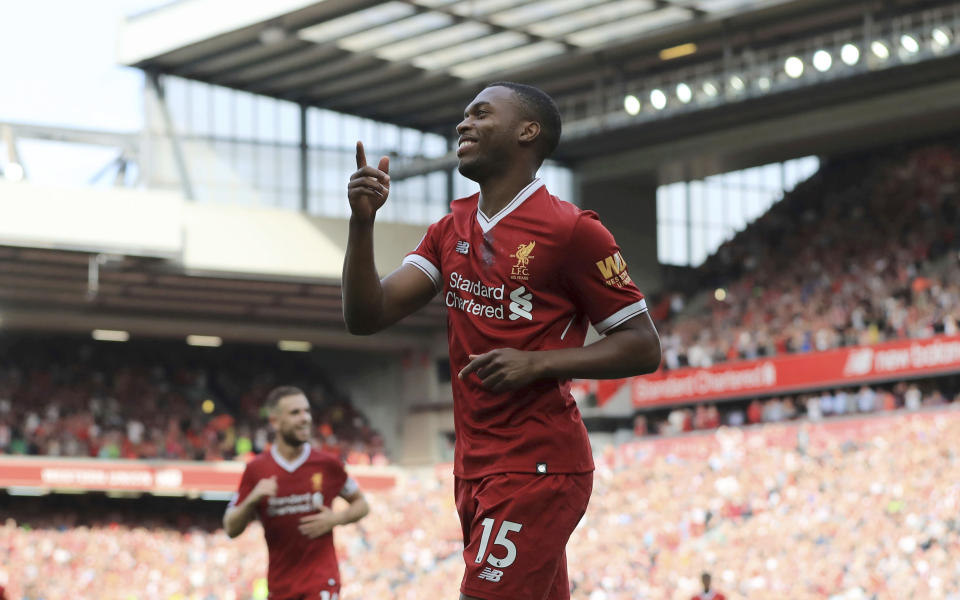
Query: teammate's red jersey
(709, 596)
(298, 565)
(530, 277)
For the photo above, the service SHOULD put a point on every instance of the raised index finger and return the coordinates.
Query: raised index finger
(361, 157)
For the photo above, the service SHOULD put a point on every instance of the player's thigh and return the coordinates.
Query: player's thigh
(516, 528)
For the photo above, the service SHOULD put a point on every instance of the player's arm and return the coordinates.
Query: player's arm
(632, 348)
(322, 522)
(369, 304)
(631, 345)
(357, 508)
(236, 518)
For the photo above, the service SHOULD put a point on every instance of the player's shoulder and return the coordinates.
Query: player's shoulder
(460, 210)
(586, 224)
(324, 457)
(264, 459)
(261, 463)
(562, 211)
(462, 207)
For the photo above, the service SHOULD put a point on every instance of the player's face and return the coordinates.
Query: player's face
(292, 419)
(488, 133)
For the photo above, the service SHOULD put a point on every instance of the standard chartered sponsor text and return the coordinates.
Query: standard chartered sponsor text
(706, 382)
(118, 478)
(472, 305)
(287, 505)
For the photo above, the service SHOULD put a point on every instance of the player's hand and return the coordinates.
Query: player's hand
(313, 526)
(504, 369)
(369, 186)
(265, 488)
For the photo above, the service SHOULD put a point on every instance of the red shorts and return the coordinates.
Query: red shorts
(330, 591)
(327, 594)
(515, 532)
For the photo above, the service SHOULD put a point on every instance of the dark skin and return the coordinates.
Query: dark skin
(499, 149)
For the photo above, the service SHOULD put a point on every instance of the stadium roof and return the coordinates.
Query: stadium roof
(52, 289)
(417, 62)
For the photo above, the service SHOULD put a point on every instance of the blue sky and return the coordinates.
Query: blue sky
(60, 69)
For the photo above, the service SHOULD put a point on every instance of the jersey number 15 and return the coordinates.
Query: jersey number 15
(501, 540)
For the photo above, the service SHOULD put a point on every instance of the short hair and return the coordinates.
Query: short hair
(539, 107)
(279, 393)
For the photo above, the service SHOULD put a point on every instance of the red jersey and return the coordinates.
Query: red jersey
(711, 595)
(298, 565)
(531, 277)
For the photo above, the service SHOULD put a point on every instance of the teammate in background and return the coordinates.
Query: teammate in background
(290, 489)
(708, 594)
(522, 274)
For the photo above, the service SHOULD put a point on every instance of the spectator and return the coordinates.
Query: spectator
(852, 256)
(87, 399)
(913, 397)
(767, 520)
(866, 400)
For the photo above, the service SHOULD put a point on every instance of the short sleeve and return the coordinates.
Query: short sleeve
(598, 279)
(350, 487)
(247, 483)
(426, 256)
(340, 480)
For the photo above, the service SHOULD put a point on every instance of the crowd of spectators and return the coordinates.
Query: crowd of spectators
(811, 406)
(70, 397)
(867, 511)
(863, 252)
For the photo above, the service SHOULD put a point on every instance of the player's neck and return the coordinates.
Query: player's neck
(497, 192)
(288, 452)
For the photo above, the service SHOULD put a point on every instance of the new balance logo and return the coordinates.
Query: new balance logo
(859, 362)
(520, 305)
(489, 574)
(462, 247)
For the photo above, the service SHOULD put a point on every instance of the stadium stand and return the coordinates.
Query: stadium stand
(71, 397)
(852, 508)
(232, 223)
(813, 406)
(891, 218)
(863, 252)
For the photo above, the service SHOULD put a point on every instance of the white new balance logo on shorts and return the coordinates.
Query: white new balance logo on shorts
(489, 574)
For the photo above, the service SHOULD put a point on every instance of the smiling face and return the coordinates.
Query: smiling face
(491, 133)
(291, 419)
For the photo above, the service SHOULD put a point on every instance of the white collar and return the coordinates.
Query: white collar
(486, 223)
(290, 466)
